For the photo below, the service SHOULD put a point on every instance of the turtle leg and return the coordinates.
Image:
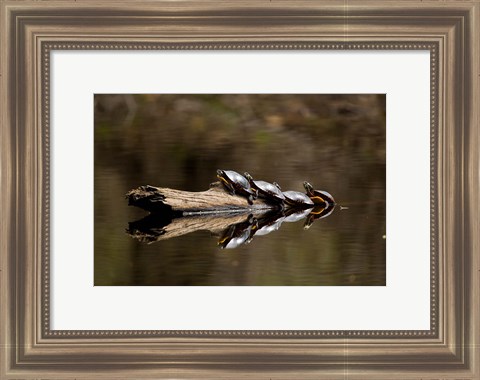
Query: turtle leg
(227, 186)
(230, 188)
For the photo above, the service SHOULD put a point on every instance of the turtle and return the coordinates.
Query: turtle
(236, 183)
(318, 212)
(269, 191)
(297, 199)
(319, 197)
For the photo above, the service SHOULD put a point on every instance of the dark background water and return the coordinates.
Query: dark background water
(336, 142)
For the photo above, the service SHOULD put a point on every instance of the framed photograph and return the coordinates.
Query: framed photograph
(205, 229)
(221, 190)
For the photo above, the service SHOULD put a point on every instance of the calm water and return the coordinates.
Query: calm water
(335, 142)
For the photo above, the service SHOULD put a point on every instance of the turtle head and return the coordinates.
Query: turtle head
(277, 186)
(219, 172)
(308, 187)
(248, 176)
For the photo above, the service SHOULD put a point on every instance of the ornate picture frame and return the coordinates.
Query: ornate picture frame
(32, 30)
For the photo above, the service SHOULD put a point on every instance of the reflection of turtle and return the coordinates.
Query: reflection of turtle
(269, 191)
(293, 215)
(318, 212)
(297, 199)
(236, 184)
(269, 222)
(319, 197)
(270, 227)
(238, 234)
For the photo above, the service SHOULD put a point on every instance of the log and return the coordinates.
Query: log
(178, 202)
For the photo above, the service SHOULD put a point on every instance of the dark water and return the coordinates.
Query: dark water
(336, 142)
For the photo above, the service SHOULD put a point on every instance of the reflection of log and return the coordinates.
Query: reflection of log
(214, 200)
(230, 227)
(152, 228)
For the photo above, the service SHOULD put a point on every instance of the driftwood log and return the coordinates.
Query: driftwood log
(182, 203)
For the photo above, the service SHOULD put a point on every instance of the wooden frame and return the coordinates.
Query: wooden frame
(449, 349)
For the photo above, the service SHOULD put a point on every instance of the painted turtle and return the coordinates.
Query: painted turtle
(297, 199)
(266, 190)
(319, 197)
(236, 183)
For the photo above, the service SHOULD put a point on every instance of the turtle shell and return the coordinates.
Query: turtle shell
(318, 196)
(236, 179)
(268, 190)
(323, 195)
(327, 196)
(236, 183)
(296, 198)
